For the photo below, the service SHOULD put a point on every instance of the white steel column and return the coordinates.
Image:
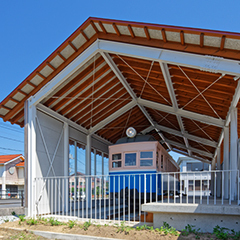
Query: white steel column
(95, 162)
(103, 163)
(31, 158)
(226, 161)
(213, 167)
(233, 153)
(66, 148)
(218, 174)
(66, 164)
(88, 170)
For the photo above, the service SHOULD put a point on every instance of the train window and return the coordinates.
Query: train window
(117, 156)
(117, 164)
(146, 154)
(130, 159)
(146, 159)
(146, 163)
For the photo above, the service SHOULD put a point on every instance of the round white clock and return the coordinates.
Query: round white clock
(11, 170)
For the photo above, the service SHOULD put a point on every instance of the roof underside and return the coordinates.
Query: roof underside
(113, 91)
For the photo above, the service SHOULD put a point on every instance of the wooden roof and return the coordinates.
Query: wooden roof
(94, 92)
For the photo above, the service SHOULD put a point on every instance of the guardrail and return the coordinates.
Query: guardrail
(7, 195)
(119, 197)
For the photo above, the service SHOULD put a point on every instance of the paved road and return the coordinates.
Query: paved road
(6, 203)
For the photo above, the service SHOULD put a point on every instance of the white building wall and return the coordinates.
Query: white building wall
(20, 173)
(49, 148)
(1, 171)
(188, 176)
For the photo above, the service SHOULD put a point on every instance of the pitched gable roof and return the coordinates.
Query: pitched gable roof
(7, 158)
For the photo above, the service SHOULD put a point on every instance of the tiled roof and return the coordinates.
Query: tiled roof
(6, 158)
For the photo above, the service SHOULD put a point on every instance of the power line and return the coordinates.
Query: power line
(11, 149)
(15, 130)
(11, 139)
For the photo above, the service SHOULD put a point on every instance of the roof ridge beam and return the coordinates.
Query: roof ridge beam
(192, 60)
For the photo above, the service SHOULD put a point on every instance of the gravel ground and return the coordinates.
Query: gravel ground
(9, 218)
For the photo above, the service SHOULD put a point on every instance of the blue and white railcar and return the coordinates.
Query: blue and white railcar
(136, 164)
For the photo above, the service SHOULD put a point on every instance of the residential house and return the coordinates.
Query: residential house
(11, 175)
(193, 183)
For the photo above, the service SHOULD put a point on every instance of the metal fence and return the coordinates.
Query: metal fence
(119, 197)
(7, 197)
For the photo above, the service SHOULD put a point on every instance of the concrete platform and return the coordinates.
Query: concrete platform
(205, 217)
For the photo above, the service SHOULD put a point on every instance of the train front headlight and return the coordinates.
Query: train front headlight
(131, 132)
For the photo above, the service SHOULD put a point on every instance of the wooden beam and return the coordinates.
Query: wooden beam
(80, 88)
(31, 84)
(42, 76)
(222, 42)
(51, 66)
(18, 116)
(147, 33)
(76, 80)
(116, 29)
(7, 108)
(14, 100)
(22, 92)
(71, 44)
(164, 35)
(98, 106)
(131, 31)
(118, 120)
(94, 26)
(201, 40)
(61, 56)
(102, 27)
(182, 37)
(86, 98)
(84, 35)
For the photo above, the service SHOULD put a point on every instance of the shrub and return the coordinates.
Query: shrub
(32, 221)
(54, 222)
(71, 224)
(86, 225)
(21, 219)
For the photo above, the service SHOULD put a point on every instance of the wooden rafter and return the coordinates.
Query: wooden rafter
(102, 27)
(164, 35)
(51, 66)
(182, 37)
(21, 104)
(222, 42)
(201, 40)
(94, 26)
(72, 46)
(147, 33)
(131, 31)
(84, 35)
(116, 29)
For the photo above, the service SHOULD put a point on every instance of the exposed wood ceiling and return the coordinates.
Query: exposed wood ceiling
(95, 92)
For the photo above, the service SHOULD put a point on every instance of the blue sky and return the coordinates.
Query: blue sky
(31, 30)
